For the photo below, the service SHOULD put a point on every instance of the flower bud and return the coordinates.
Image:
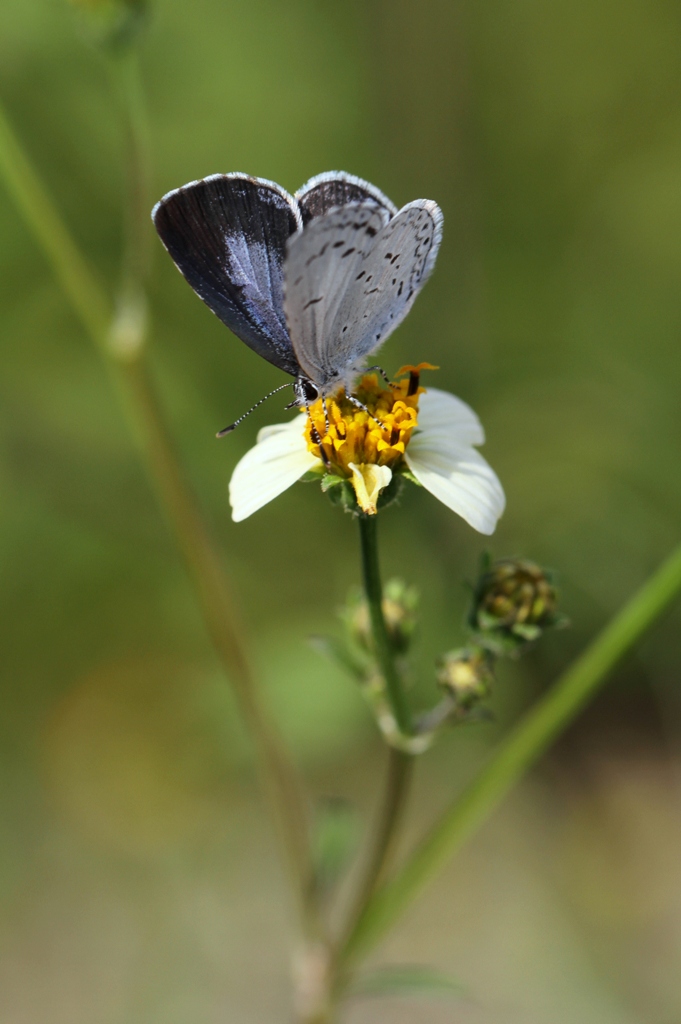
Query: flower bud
(113, 24)
(399, 607)
(515, 598)
(466, 675)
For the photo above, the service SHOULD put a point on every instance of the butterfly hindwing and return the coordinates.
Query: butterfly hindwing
(227, 235)
(337, 188)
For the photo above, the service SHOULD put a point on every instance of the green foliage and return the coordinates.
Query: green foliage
(406, 980)
(334, 841)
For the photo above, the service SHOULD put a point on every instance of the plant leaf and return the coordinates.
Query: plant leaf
(405, 980)
(335, 838)
(338, 651)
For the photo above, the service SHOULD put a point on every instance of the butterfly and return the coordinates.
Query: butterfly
(313, 282)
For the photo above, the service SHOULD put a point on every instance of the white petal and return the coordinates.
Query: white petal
(459, 477)
(442, 413)
(277, 461)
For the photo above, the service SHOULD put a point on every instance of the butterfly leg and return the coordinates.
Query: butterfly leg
(316, 439)
(360, 405)
(382, 372)
(326, 415)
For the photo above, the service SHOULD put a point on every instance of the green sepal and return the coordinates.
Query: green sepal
(405, 980)
(312, 476)
(335, 837)
(526, 631)
(408, 475)
(330, 480)
(343, 495)
(391, 492)
(338, 651)
(499, 643)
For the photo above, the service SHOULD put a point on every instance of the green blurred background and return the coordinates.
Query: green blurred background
(138, 879)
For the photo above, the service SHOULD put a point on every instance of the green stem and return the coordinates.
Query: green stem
(527, 742)
(84, 291)
(120, 341)
(400, 763)
(382, 643)
(127, 80)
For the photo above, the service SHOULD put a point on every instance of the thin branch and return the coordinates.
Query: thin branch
(84, 291)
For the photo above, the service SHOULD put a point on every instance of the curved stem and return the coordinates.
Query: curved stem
(120, 340)
(82, 288)
(383, 648)
(527, 742)
(125, 72)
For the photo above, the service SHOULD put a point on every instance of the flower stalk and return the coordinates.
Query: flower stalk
(383, 650)
(400, 761)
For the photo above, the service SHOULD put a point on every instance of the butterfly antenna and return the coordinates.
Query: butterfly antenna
(233, 426)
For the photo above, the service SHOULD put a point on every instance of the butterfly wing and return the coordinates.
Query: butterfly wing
(348, 285)
(337, 188)
(394, 272)
(227, 235)
(321, 265)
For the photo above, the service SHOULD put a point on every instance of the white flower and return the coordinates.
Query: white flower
(441, 454)
(442, 457)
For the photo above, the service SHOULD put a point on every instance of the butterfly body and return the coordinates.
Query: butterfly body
(313, 282)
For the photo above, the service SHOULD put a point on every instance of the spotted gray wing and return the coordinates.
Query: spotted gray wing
(343, 314)
(391, 276)
(227, 235)
(337, 188)
(322, 264)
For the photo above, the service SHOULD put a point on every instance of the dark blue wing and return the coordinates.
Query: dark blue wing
(227, 235)
(337, 188)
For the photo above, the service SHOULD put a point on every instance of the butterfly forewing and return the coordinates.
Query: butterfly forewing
(336, 188)
(350, 279)
(322, 264)
(387, 283)
(227, 235)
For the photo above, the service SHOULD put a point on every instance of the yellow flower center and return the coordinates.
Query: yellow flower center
(349, 439)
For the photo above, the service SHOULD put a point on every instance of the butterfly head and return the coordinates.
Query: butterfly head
(306, 392)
